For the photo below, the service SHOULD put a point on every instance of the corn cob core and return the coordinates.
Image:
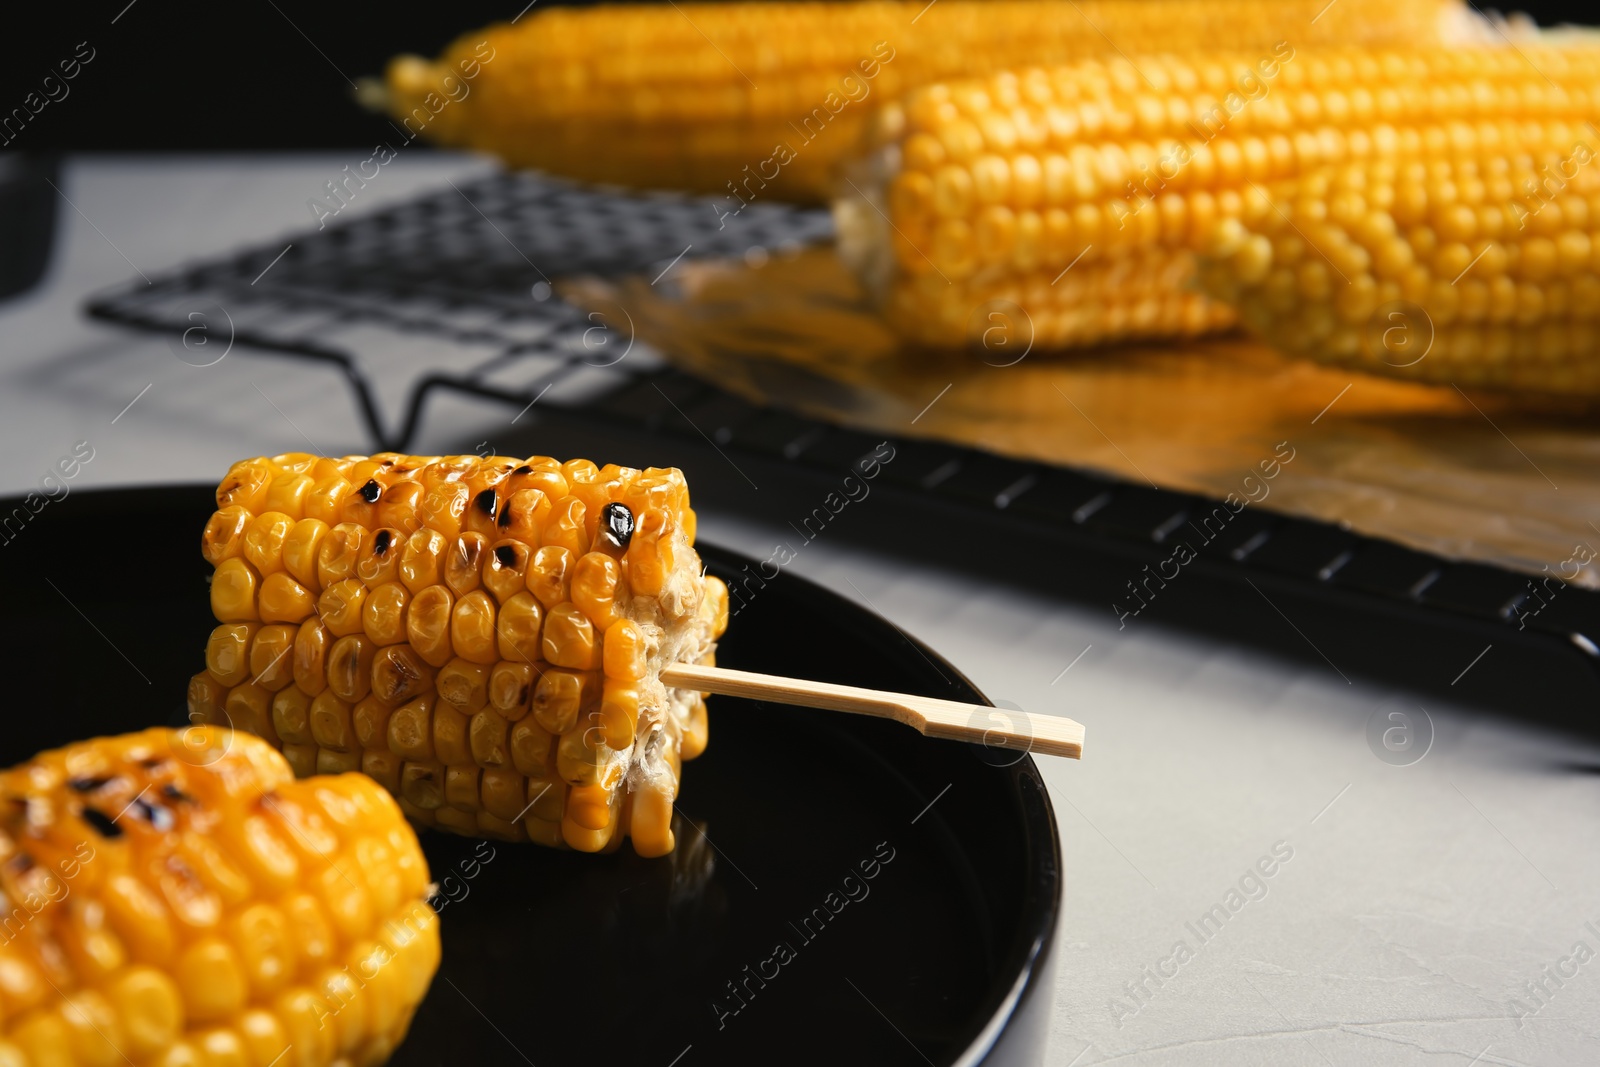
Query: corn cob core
(992, 188)
(482, 636)
(700, 96)
(176, 897)
(1474, 272)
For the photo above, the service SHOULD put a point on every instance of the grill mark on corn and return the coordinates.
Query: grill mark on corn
(506, 555)
(371, 491)
(89, 785)
(154, 814)
(524, 469)
(505, 515)
(20, 864)
(173, 793)
(102, 823)
(380, 544)
(485, 502)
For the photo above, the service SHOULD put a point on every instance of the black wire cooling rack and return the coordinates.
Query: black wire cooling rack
(472, 265)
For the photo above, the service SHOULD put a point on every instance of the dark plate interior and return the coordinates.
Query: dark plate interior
(558, 958)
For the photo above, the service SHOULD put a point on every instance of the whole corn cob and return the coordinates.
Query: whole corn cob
(176, 897)
(1478, 272)
(482, 636)
(762, 99)
(1018, 186)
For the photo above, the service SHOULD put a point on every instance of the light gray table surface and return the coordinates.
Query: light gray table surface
(1418, 904)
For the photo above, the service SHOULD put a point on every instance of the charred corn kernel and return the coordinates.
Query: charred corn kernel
(1477, 311)
(152, 831)
(400, 674)
(1136, 174)
(636, 96)
(412, 638)
(350, 667)
(463, 563)
(511, 688)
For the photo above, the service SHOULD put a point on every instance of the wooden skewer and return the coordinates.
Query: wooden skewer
(1051, 735)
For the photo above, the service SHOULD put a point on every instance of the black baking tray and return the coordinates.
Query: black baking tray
(557, 958)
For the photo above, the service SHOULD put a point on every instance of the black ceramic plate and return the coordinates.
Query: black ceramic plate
(844, 890)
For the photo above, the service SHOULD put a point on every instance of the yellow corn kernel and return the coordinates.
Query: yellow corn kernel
(547, 575)
(568, 527)
(650, 553)
(624, 654)
(428, 625)
(311, 646)
(472, 628)
(291, 715)
(383, 613)
(301, 549)
(228, 652)
(342, 547)
(422, 560)
(263, 541)
(233, 591)
(282, 599)
(410, 732)
(517, 629)
(619, 712)
(270, 665)
(569, 639)
(287, 493)
(597, 588)
(463, 684)
(341, 606)
(561, 695)
(224, 534)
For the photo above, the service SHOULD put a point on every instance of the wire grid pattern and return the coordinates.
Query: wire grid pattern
(452, 290)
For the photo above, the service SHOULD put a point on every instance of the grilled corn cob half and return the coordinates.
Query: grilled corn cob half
(1035, 187)
(482, 636)
(1478, 272)
(762, 99)
(176, 897)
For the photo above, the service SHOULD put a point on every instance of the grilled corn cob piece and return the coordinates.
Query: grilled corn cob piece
(762, 99)
(482, 636)
(1474, 272)
(176, 897)
(1009, 187)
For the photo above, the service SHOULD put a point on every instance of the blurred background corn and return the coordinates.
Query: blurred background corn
(176, 897)
(482, 636)
(1013, 186)
(1475, 272)
(762, 99)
